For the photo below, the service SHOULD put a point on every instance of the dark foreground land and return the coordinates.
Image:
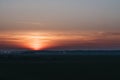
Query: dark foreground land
(49, 65)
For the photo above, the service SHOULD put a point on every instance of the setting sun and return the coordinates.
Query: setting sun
(35, 46)
(34, 43)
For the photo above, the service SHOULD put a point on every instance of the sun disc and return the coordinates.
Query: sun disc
(36, 46)
(34, 42)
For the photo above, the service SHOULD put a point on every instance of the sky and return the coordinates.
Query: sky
(59, 24)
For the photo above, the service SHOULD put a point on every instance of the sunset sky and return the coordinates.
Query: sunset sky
(59, 24)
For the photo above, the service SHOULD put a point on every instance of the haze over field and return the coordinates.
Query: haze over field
(59, 24)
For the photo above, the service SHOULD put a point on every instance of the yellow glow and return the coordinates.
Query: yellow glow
(34, 42)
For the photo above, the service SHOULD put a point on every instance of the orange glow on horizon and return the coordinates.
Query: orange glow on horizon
(47, 40)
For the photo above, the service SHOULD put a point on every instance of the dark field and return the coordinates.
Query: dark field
(60, 65)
